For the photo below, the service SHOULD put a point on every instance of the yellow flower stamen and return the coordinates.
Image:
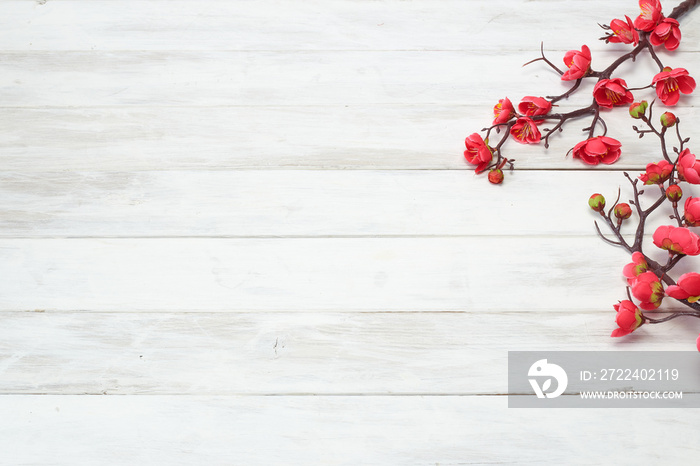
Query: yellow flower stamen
(671, 85)
(614, 97)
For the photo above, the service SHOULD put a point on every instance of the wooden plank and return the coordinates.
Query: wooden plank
(352, 137)
(363, 430)
(311, 25)
(297, 353)
(327, 78)
(265, 203)
(477, 273)
(122, 118)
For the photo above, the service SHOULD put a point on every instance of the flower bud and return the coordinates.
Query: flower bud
(668, 119)
(496, 176)
(623, 211)
(597, 202)
(674, 193)
(637, 109)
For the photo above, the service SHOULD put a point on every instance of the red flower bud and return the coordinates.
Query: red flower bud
(496, 176)
(668, 119)
(628, 318)
(623, 211)
(597, 202)
(579, 63)
(674, 193)
(503, 111)
(637, 109)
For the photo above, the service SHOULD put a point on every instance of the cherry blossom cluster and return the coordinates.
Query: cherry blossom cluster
(650, 30)
(649, 282)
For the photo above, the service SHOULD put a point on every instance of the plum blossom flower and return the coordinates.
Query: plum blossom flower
(628, 318)
(534, 106)
(525, 131)
(677, 240)
(610, 92)
(578, 63)
(623, 32)
(600, 149)
(671, 82)
(657, 173)
(635, 268)
(667, 33)
(478, 152)
(688, 287)
(649, 16)
(688, 167)
(692, 211)
(503, 111)
(648, 290)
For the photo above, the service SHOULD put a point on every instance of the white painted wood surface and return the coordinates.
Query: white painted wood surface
(282, 353)
(243, 232)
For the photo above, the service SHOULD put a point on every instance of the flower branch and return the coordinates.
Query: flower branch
(648, 32)
(649, 282)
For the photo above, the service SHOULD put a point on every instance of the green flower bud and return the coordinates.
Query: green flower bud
(674, 193)
(638, 109)
(623, 211)
(597, 202)
(668, 119)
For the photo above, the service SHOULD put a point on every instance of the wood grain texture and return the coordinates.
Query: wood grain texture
(309, 203)
(291, 78)
(178, 430)
(304, 274)
(298, 353)
(496, 25)
(298, 137)
(478, 274)
(252, 221)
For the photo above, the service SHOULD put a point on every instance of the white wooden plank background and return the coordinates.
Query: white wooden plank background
(243, 232)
